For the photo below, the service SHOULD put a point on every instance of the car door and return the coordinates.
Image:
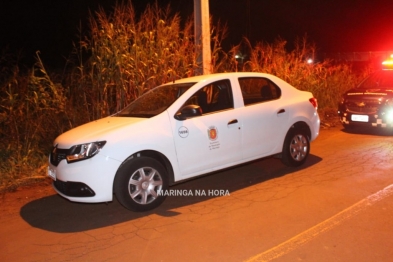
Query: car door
(265, 117)
(211, 140)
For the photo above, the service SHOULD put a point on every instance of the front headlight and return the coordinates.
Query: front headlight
(389, 116)
(84, 151)
(389, 110)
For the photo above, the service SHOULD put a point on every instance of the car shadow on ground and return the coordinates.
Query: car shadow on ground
(56, 214)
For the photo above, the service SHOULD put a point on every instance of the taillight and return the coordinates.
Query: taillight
(314, 102)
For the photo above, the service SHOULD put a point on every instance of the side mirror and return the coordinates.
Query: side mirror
(188, 111)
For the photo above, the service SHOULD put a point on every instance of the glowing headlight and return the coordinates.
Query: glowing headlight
(389, 116)
(84, 151)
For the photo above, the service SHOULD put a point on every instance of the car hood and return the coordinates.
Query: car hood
(94, 131)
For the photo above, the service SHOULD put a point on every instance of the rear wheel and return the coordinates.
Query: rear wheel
(296, 148)
(138, 183)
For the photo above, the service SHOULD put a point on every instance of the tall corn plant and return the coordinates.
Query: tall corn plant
(129, 55)
(327, 81)
(32, 113)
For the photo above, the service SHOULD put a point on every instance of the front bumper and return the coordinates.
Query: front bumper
(88, 181)
(371, 120)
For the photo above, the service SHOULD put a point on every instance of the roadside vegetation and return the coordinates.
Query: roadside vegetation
(121, 57)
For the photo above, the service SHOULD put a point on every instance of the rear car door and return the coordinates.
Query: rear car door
(265, 117)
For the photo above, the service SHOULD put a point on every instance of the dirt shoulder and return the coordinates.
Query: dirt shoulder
(12, 201)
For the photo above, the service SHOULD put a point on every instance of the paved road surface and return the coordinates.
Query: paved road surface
(335, 208)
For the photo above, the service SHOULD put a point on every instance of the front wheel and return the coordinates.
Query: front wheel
(138, 184)
(296, 148)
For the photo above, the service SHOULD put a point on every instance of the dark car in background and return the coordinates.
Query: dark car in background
(370, 103)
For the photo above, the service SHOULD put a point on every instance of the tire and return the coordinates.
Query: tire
(296, 148)
(138, 182)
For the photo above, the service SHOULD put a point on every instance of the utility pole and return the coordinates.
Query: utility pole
(202, 35)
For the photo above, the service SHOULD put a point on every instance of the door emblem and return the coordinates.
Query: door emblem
(212, 133)
(183, 132)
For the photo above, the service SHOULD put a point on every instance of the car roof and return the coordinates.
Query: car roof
(219, 76)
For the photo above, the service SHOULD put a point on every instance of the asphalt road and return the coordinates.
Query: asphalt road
(337, 207)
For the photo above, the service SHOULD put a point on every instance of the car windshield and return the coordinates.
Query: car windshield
(379, 80)
(155, 101)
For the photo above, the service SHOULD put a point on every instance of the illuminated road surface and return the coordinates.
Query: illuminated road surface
(335, 208)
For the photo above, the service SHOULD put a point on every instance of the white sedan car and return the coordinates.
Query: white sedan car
(181, 130)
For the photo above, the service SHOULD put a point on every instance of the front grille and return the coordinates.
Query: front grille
(57, 155)
(362, 106)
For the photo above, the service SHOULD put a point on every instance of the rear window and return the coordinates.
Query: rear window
(258, 90)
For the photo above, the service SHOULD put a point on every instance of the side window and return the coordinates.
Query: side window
(258, 90)
(213, 97)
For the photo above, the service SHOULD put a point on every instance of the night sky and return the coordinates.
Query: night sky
(333, 25)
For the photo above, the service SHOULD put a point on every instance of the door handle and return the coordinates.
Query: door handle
(281, 111)
(234, 121)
